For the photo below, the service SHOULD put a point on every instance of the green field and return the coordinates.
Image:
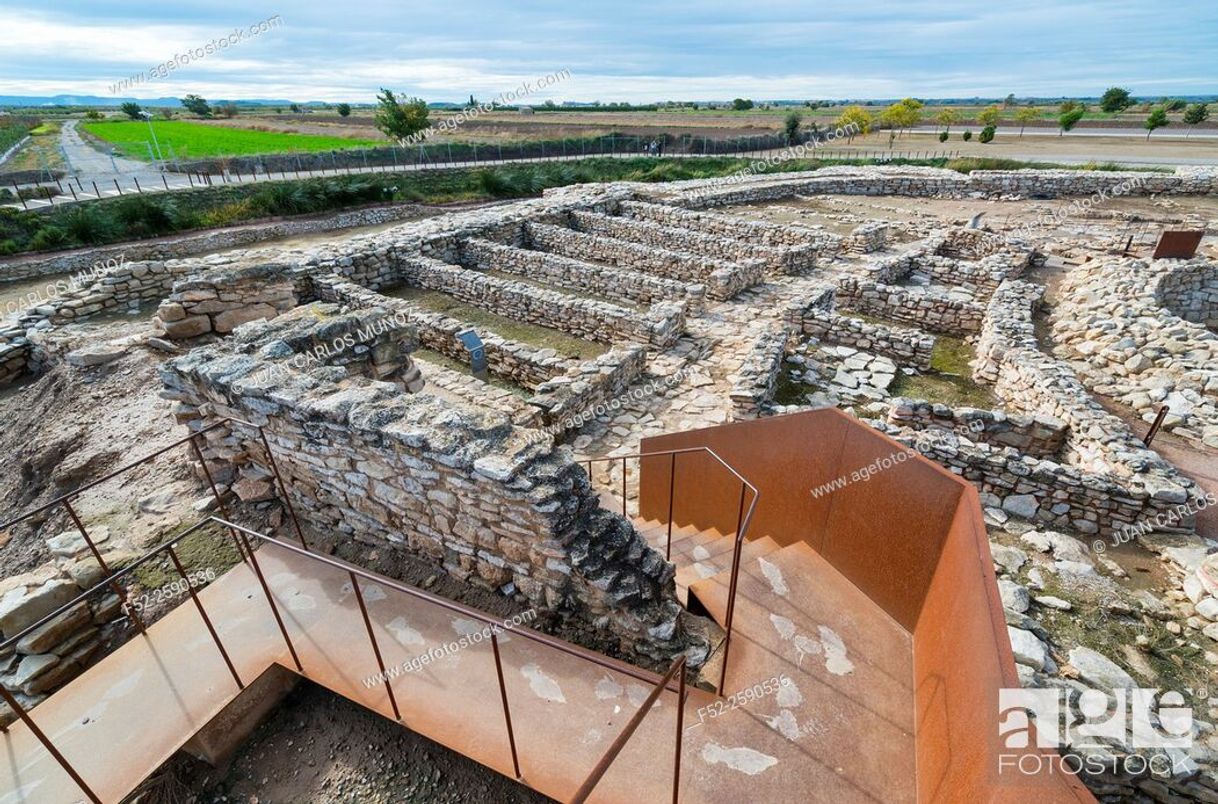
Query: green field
(200, 141)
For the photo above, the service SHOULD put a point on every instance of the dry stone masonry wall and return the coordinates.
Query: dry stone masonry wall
(779, 259)
(584, 318)
(754, 383)
(928, 309)
(489, 502)
(723, 280)
(1119, 317)
(220, 301)
(640, 288)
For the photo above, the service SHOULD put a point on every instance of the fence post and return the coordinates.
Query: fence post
(51, 749)
(359, 596)
(507, 712)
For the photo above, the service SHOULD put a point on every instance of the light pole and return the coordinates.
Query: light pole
(148, 119)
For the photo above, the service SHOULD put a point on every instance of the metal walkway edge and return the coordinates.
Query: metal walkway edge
(129, 713)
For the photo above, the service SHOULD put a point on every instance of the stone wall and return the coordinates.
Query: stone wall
(1099, 450)
(1191, 292)
(64, 647)
(723, 280)
(1136, 349)
(15, 353)
(1034, 436)
(563, 388)
(21, 268)
(721, 225)
(868, 237)
(929, 310)
(130, 283)
(489, 502)
(942, 183)
(782, 260)
(907, 346)
(219, 301)
(585, 318)
(754, 383)
(552, 269)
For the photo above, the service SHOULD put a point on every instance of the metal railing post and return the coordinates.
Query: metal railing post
(672, 483)
(624, 736)
(216, 493)
(190, 587)
(623, 487)
(507, 712)
(101, 562)
(676, 763)
(363, 609)
(51, 749)
(266, 590)
(731, 592)
(283, 489)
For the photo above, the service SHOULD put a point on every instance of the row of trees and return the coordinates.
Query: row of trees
(905, 114)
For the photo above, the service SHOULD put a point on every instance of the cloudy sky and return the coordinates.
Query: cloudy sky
(615, 50)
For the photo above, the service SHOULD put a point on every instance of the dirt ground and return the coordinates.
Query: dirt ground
(319, 747)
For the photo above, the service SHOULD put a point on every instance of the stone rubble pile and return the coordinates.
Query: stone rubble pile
(1119, 318)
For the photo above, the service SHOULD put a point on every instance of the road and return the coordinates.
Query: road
(88, 164)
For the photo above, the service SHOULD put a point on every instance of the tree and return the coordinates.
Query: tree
(472, 102)
(343, 109)
(854, 120)
(987, 134)
(166, 113)
(1157, 119)
(1068, 120)
(1172, 104)
(93, 114)
(1115, 99)
(946, 118)
(228, 110)
(903, 114)
(1194, 114)
(790, 127)
(295, 107)
(131, 109)
(197, 105)
(967, 135)
(1026, 115)
(989, 116)
(741, 104)
(400, 120)
(1009, 100)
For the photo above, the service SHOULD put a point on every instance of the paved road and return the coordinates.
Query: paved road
(88, 164)
(1174, 132)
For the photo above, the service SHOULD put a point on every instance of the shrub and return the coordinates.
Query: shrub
(986, 135)
(966, 136)
(48, 237)
(942, 136)
(8, 246)
(142, 217)
(85, 224)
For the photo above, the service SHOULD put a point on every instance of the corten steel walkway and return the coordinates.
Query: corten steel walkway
(864, 708)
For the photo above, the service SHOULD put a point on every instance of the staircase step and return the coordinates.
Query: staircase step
(847, 701)
(718, 559)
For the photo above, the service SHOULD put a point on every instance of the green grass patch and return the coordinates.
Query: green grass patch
(199, 140)
(949, 381)
(531, 334)
(210, 547)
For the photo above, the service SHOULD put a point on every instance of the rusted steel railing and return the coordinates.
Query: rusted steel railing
(744, 517)
(602, 766)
